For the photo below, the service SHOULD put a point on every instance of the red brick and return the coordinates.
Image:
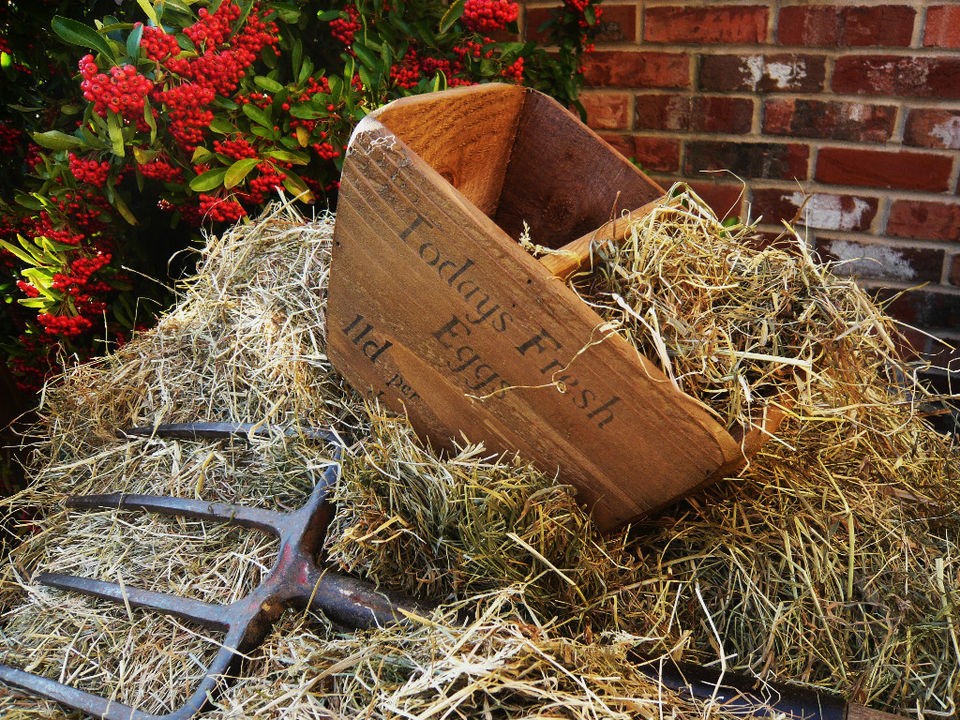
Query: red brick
(607, 111)
(775, 161)
(534, 22)
(915, 76)
(876, 261)
(923, 308)
(652, 154)
(807, 25)
(934, 128)
(618, 23)
(858, 122)
(657, 153)
(731, 24)
(835, 26)
(924, 220)
(724, 198)
(760, 73)
(881, 169)
(943, 26)
(822, 211)
(620, 142)
(698, 113)
(955, 270)
(637, 69)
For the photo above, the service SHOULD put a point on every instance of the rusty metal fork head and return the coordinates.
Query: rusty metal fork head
(295, 580)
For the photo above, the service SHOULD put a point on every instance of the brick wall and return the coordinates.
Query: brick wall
(853, 107)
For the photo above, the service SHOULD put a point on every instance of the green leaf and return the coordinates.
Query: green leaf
(258, 116)
(287, 13)
(150, 120)
(238, 171)
(133, 42)
(298, 188)
(222, 126)
(328, 15)
(35, 303)
(200, 155)
(262, 132)
(303, 136)
(290, 157)
(452, 14)
(40, 279)
(30, 202)
(306, 70)
(268, 84)
(307, 112)
(245, 7)
(365, 56)
(124, 210)
(116, 133)
(56, 140)
(296, 57)
(22, 254)
(149, 11)
(222, 102)
(76, 33)
(210, 180)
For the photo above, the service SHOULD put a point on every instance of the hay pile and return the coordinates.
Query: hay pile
(834, 561)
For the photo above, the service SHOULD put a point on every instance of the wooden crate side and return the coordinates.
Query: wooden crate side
(465, 134)
(563, 180)
(435, 310)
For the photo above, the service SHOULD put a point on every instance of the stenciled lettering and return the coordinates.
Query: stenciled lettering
(361, 334)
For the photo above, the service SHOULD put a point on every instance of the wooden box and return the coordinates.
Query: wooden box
(437, 311)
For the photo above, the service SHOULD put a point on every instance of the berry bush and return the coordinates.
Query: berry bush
(178, 115)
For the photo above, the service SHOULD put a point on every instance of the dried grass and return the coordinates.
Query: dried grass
(832, 561)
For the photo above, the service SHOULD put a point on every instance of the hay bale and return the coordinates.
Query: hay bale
(832, 561)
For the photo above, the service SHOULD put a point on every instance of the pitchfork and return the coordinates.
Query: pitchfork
(295, 580)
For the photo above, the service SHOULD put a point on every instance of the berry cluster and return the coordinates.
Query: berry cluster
(161, 170)
(188, 112)
(213, 28)
(219, 209)
(84, 208)
(514, 72)
(325, 150)
(43, 226)
(473, 49)
(483, 16)
(235, 149)
(77, 283)
(221, 66)
(10, 139)
(123, 91)
(157, 44)
(314, 87)
(412, 69)
(27, 289)
(262, 186)
(217, 71)
(90, 171)
(64, 325)
(344, 29)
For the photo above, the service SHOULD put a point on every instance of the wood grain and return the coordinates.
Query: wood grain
(859, 712)
(438, 312)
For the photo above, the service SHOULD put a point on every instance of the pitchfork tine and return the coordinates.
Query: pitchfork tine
(205, 614)
(251, 517)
